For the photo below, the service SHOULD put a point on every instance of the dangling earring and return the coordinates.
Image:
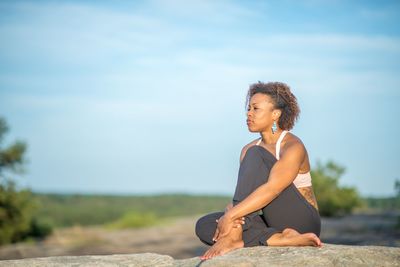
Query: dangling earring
(274, 128)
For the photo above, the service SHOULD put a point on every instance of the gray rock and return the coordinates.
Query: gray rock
(328, 255)
(136, 260)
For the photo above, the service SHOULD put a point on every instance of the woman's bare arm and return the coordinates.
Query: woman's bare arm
(281, 176)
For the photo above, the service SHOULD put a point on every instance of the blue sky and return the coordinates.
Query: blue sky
(148, 97)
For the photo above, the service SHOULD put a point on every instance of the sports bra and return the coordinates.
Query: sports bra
(302, 179)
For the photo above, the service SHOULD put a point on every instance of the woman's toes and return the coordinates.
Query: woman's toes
(319, 243)
(206, 255)
(211, 255)
(315, 239)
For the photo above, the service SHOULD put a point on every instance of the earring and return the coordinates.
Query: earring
(274, 128)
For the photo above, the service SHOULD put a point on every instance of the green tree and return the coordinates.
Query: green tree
(333, 199)
(17, 207)
(396, 201)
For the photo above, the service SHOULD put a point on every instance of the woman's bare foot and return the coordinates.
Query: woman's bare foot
(290, 232)
(225, 244)
(290, 237)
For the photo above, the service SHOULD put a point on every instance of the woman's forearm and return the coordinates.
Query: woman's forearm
(261, 197)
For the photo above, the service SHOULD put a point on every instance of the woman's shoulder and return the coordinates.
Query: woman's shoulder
(292, 139)
(291, 142)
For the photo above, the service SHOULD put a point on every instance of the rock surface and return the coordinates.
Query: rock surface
(328, 255)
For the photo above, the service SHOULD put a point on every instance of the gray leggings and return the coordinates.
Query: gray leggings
(289, 210)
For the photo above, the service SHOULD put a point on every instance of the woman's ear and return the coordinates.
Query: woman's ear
(277, 114)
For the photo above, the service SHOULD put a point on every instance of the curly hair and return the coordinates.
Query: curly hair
(282, 98)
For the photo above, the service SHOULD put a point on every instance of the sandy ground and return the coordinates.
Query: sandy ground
(178, 240)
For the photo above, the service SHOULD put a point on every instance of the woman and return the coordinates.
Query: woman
(274, 203)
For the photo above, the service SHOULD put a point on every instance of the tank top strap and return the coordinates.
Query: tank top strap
(278, 144)
(259, 141)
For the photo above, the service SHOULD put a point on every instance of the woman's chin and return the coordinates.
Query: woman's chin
(252, 129)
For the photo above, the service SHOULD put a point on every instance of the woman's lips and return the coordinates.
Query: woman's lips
(248, 122)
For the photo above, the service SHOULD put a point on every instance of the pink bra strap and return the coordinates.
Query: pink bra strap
(278, 144)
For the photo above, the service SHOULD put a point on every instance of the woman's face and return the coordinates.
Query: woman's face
(261, 113)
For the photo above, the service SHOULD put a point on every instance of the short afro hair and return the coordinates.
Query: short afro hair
(282, 98)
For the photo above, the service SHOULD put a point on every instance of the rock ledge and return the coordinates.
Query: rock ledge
(328, 255)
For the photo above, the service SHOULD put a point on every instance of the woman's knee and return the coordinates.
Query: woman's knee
(260, 161)
(254, 154)
(206, 225)
(200, 232)
(200, 225)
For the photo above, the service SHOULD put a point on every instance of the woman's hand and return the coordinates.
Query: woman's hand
(225, 225)
(237, 222)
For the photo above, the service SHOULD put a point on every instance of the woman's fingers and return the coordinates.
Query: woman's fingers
(216, 234)
(224, 227)
(238, 222)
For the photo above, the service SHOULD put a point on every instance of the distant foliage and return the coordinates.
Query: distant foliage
(383, 203)
(333, 199)
(397, 201)
(17, 207)
(68, 210)
(134, 220)
(15, 213)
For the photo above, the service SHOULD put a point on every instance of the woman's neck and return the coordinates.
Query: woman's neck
(269, 138)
